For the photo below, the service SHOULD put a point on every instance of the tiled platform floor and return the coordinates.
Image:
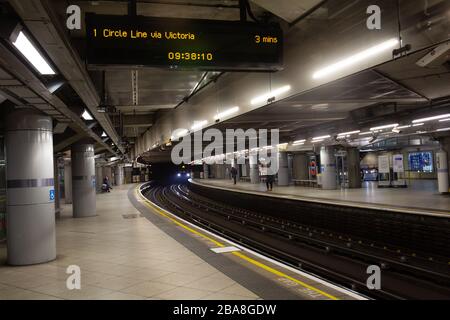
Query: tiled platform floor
(420, 195)
(119, 259)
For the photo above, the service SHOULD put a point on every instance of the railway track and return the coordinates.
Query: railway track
(338, 257)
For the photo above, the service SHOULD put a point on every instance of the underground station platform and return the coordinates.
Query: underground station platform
(224, 158)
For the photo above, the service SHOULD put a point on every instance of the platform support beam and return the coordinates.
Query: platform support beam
(83, 180)
(30, 211)
(283, 169)
(328, 168)
(68, 181)
(205, 171)
(119, 175)
(443, 165)
(354, 168)
(254, 170)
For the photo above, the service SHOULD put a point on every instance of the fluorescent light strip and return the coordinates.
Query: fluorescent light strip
(418, 124)
(363, 55)
(442, 116)
(321, 138)
(86, 115)
(365, 133)
(443, 129)
(24, 45)
(226, 113)
(388, 126)
(299, 141)
(271, 94)
(199, 124)
(179, 133)
(444, 120)
(349, 133)
(403, 127)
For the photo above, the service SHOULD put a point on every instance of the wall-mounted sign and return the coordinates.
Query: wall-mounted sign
(383, 164)
(398, 163)
(183, 43)
(51, 195)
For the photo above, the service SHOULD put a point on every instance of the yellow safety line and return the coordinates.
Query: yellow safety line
(152, 206)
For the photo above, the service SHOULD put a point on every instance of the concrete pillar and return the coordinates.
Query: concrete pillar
(68, 181)
(354, 169)
(254, 169)
(83, 180)
(205, 171)
(443, 171)
(300, 166)
(328, 168)
(30, 209)
(283, 170)
(119, 175)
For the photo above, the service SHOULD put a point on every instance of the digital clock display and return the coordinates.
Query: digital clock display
(182, 43)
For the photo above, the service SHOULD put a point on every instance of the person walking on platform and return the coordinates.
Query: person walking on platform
(234, 174)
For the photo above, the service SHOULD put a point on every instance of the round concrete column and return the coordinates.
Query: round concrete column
(83, 180)
(328, 168)
(300, 166)
(98, 178)
(205, 171)
(354, 168)
(118, 174)
(30, 209)
(283, 170)
(68, 181)
(254, 170)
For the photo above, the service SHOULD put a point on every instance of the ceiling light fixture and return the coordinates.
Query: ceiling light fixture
(442, 116)
(24, 45)
(358, 57)
(87, 116)
(321, 138)
(365, 133)
(104, 134)
(444, 120)
(199, 124)
(179, 133)
(387, 126)
(348, 133)
(226, 113)
(270, 95)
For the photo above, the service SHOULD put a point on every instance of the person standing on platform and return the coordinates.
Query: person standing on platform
(234, 174)
(269, 180)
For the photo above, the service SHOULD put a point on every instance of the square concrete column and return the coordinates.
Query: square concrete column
(354, 168)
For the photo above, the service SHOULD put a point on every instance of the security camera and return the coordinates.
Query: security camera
(435, 57)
